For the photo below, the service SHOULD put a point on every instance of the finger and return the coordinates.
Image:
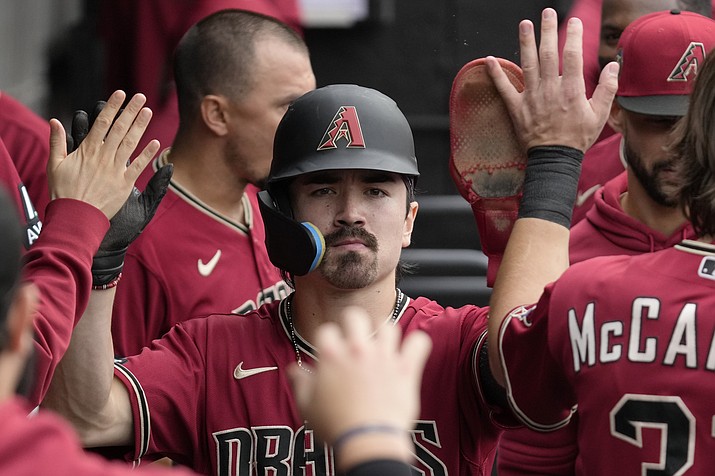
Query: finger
(101, 125)
(136, 167)
(330, 341)
(605, 90)
(357, 328)
(80, 128)
(133, 135)
(549, 45)
(415, 350)
(507, 90)
(98, 106)
(123, 134)
(156, 189)
(573, 56)
(302, 383)
(388, 340)
(58, 144)
(529, 54)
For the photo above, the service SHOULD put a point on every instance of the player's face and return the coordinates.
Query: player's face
(645, 142)
(364, 218)
(615, 17)
(281, 74)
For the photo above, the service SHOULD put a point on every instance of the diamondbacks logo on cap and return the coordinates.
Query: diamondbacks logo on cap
(345, 125)
(687, 67)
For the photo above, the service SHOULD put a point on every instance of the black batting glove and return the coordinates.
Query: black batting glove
(126, 226)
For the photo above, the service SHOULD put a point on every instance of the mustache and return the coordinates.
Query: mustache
(352, 232)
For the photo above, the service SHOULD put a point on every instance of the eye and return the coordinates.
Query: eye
(322, 191)
(376, 192)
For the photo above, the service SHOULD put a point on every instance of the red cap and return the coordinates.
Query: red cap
(660, 55)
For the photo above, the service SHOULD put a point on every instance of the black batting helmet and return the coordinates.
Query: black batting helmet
(337, 127)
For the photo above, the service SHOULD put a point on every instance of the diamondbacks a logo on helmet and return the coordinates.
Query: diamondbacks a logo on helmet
(345, 125)
(687, 67)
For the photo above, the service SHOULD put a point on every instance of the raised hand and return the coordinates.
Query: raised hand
(553, 108)
(97, 171)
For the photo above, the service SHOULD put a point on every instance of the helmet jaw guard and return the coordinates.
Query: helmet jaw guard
(337, 127)
(294, 247)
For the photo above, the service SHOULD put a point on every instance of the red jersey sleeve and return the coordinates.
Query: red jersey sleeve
(59, 264)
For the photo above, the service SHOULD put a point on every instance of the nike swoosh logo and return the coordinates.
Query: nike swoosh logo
(205, 269)
(240, 372)
(582, 197)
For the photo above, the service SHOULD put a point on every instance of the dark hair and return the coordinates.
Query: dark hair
(216, 56)
(694, 146)
(10, 256)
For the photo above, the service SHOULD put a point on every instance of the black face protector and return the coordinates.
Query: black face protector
(294, 247)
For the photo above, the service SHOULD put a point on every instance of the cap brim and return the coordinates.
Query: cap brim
(655, 105)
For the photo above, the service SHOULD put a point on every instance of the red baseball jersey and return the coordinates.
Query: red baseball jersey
(191, 261)
(629, 344)
(45, 444)
(10, 181)
(214, 394)
(27, 138)
(608, 230)
(602, 162)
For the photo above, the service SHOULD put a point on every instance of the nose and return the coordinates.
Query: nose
(349, 211)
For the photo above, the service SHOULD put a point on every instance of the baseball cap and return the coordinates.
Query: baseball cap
(660, 54)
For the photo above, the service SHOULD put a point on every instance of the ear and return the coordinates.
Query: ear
(20, 318)
(617, 117)
(214, 113)
(409, 224)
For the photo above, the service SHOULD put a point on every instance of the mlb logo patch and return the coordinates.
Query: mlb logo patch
(707, 268)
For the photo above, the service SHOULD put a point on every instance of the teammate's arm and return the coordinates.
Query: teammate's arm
(83, 388)
(556, 123)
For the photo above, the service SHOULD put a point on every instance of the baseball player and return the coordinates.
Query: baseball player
(213, 393)
(626, 343)
(204, 251)
(48, 295)
(635, 213)
(605, 160)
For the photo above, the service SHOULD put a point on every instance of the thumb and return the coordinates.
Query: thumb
(58, 144)
(416, 349)
(157, 186)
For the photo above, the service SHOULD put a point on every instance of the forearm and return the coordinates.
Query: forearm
(84, 389)
(58, 264)
(374, 446)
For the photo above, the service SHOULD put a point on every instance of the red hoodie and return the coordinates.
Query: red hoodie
(608, 230)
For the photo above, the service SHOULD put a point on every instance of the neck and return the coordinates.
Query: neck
(637, 204)
(206, 175)
(311, 308)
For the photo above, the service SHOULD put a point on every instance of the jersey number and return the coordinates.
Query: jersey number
(669, 414)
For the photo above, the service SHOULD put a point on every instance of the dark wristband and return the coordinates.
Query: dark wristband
(550, 184)
(380, 467)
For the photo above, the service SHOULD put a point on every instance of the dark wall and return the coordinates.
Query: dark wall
(412, 50)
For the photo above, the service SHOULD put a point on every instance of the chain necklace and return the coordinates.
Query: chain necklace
(291, 326)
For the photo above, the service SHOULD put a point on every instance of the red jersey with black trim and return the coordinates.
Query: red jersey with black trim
(608, 230)
(213, 394)
(191, 261)
(27, 138)
(45, 444)
(628, 342)
(601, 163)
(27, 214)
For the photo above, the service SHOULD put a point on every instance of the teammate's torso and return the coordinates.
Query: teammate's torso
(251, 422)
(641, 358)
